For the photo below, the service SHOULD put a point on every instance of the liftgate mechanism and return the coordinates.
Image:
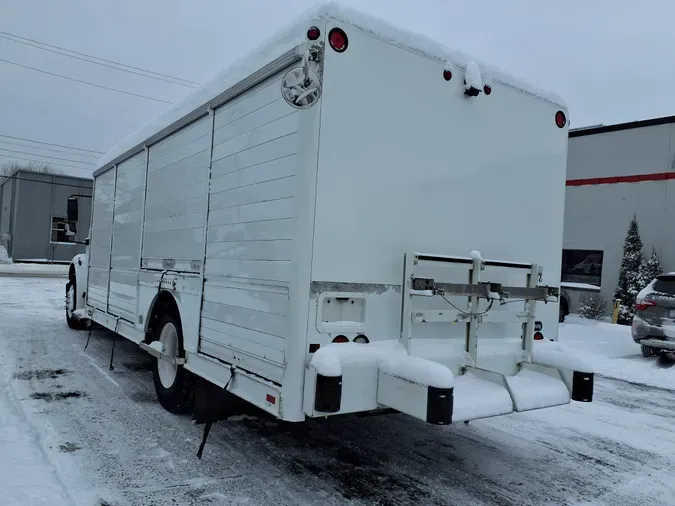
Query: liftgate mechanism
(476, 289)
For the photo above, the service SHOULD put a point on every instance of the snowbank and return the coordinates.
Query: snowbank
(614, 354)
(34, 270)
(293, 36)
(4, 257)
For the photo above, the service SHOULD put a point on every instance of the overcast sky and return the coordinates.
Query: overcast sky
(609, 59)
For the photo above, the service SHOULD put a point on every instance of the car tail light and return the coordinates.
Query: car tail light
(340, 339)
(361, 339)
(644, 304)
(338, 40)
(313, 33)
(538, 336)
(487, 89)
(560, 119)
(447, 75)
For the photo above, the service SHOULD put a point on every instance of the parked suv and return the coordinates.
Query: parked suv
(654, 321)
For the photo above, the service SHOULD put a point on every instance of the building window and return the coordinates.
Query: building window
(582, 266)
(59, 230)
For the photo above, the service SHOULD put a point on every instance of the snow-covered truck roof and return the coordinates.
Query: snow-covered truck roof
(284, 42)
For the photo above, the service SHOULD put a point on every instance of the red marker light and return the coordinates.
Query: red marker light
(447, 75)
(538, 336)
(560, 119)
(487, 89)
(313, 33)
(338, 40)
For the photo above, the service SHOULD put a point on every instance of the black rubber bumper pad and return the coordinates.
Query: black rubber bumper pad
(328, 395)
(582, 386)
(439, 405)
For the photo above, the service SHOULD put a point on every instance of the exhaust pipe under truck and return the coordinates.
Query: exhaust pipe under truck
(294, 234)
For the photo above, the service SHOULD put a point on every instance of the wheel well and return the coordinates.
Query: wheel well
(164, 303)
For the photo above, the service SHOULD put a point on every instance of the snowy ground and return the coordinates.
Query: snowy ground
(72, 432)
(614, 353)
(34, 270)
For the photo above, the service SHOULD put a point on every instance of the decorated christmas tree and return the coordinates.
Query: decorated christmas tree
(630, 274)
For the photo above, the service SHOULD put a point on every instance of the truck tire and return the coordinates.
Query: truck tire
(175, 385)
(71, 293)
(648, 351)
(562, 311)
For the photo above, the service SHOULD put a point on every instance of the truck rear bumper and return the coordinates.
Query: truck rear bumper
(386, 378)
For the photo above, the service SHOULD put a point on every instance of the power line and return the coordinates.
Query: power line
(12, 157)
(98, 153)
(92, 59)
(48, 149)
(100, 59)
(54, 183)
(85, 82)
(45, 156)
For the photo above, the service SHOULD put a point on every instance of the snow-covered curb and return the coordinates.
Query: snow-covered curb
(34, 270)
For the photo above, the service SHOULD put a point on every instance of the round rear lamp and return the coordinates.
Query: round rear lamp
(338, 40)
(361, 339)
(487, 89)
(560, 119)
(447, 75)
(538, 336)
(340, 339)
(313, 33)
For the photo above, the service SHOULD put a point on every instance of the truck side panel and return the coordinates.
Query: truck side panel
(101, 235)
(245, 315)
(125, 261)
(178, 168)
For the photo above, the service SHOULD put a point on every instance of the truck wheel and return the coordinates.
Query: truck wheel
(562, 311)
(648, 351)
(71, 294)
(175, 386)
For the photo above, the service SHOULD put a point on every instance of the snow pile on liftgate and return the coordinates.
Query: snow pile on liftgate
(293, 36)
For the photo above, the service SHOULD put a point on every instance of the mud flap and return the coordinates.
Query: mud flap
(582, 386)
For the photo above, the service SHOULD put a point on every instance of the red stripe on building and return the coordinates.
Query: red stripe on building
(656, 176)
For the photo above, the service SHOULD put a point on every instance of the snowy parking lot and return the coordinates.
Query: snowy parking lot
(74, 432)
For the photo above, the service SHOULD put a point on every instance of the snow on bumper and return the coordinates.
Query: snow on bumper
(349, 377)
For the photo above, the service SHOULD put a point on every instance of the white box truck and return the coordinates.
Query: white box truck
(313, 230)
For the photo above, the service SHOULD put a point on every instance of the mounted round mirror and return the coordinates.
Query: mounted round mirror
(299, 90)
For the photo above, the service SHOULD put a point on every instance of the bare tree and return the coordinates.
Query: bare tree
(9, 169)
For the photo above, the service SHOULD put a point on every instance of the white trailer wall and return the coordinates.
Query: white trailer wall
(245, 310)
(126, 243)
(178, 168)
(99, 242)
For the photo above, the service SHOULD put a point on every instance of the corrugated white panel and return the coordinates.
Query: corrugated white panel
(126, 246)
(245, 315)
(101, 231)
(176, 198)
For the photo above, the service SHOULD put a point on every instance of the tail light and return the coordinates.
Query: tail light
(538, 336)
(361, 339)
(560, 119)
(487, 89)
(644, 304)
(340, 339)
(313, 33)
(338, 40)
(447, 75)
